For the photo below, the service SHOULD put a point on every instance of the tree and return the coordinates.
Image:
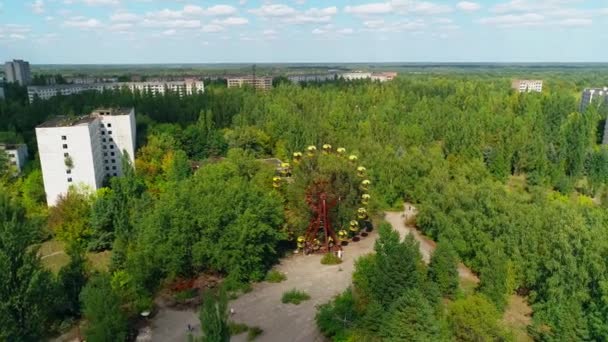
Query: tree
(443, 269)
(71, 279)
(69, 218)
(26, 288)
(101, 308)
(493, 281)
(335, 317)
(411, 318)
(474, 318)
(214, 317)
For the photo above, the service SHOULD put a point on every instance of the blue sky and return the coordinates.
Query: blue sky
(196, 31)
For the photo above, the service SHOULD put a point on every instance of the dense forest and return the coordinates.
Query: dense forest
(513, 185)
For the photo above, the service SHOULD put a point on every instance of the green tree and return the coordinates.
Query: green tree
(337, 316)
(411, 318)
(26, 288)
(443, 269)
(214, 317)
(474, 318)
(69, 218)
(101, 307)
(71, 279)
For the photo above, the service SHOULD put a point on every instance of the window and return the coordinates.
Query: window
(110, 125)
(70, 180)
(103, 146)
(111, 139)
(105, 154)
(111, 147)
(112, 154)
(104, 139)
(68, 171)
(65, 145)
(114, 167)
(101, 124)
(103, 133)
(105, 161)
(113, 161)
(115, 174)
(63, 137)
(66, 154)
(107, 168)
(109, 132)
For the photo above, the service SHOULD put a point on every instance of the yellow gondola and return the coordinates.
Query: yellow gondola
(353, 158)
(326, 148)
(365, 199)
(361, 171)
(311, 150)
(362, 213)
(341, 150)
(365, 184)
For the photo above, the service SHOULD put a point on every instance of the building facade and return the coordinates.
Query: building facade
(2, 91)
(84, 151)
(186, 87)
(594, 95)
(312, 78)
(258, 82)
(17, 155)
(527, 86)
(376, 76)
(18, 71)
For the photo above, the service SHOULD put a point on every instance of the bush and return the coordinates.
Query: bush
(330, 259)
(337, 316)
(237, 328)
(183, 296)
(253, 333)
(275, 276)
(294, 297)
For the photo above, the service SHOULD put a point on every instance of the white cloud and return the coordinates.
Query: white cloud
(373, 24)
(576, 22)
(219, 10)
(37, 6)
(212, 28)
(397, 26)
(231, 21)
(346, 31)
(169, 32)
(82, 23)
(124, 17)
(468, 6)
(399, 7)
(101, 2)
(173, 23)
(13, 32)
(274, 10)
(121, 27)
(531, 5)
(510, 20)
(49, 18)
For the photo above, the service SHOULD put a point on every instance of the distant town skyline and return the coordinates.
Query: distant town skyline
(248, 31)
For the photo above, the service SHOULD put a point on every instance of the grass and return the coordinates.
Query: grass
(253, 333)
(183, 296)
(54, 257)
(294, 296)
(275, 276)
(330, 259)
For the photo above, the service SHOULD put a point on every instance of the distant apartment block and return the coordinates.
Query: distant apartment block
(17, 155)
(594, 95)
(377, 76)
(527, 86)
(258, 82)
(312, 78)
(1, 91)
(18, 71)
(186, 87)
(84, 150)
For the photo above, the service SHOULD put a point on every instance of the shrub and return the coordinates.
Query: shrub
(275, 276)
(253, 333)
(294, 296)
(183, 296)
(337, 316)
(330, 259)
(237, 328)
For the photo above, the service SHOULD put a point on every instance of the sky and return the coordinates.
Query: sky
(292, 31)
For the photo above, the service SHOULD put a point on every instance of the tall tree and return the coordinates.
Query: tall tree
(101, 307)
(443, 269)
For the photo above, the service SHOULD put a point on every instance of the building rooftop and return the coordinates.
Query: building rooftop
(4, 146)
(112, 111)
(66, 121)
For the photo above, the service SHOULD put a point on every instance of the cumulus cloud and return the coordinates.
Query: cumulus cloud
(531, 5)
(400, 7)
(82, 23)
(212, 28)
(37, 6)
(290, 15)
(510, 20)
(13, 32)
(124, 17)
(231, 21)
(576, 22)
(101, 2)
(468, 6)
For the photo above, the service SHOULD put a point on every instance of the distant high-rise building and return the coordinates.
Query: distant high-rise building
(527, 86)
(17, 155)
(18, 71)
(186, 87)
(594, 95)
(258, 82)
(312, 77)
(84, 150)
(376, 76)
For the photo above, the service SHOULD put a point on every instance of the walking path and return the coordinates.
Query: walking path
(262, 307)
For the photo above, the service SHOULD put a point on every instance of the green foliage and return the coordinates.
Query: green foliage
(294, 296)
(330, 259)
(101, 307)
(214, 317)
(336, 317)
(474, 318)
(494, 281)
(443, 269)
(254, 332)
(71, 279)
(69, 218)
(26, 289)
(274, 276)
(237, 328)
(411, 318)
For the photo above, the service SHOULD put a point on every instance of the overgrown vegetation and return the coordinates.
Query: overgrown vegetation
(274, 276)
(330, 259)
(294, 296)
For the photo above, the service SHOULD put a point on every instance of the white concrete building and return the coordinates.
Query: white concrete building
(18, 71)
(258, 82)
(376, 76)
(312, 78)
(84, 150)
(597, 95)
(17, 155)
(186, 87)
(527, 86)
